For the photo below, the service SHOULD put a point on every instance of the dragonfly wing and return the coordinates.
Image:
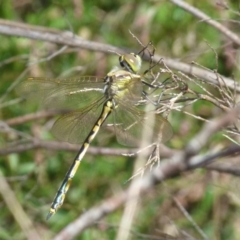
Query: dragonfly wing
(130, 124)
(62, 93)
(75, 126)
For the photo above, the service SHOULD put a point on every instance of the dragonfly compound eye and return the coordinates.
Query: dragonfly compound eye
(121, 61)
(130, 62)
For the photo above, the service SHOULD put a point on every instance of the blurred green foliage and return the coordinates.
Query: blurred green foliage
(35, 175)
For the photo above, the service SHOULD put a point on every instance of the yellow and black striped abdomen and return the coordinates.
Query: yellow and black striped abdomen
(61, 193)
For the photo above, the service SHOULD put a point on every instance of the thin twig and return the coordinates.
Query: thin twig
(169, 169)
(204, 17)
(68, 39)
(56, 146)
(17, 211)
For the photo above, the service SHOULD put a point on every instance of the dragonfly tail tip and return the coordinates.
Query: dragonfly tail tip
(50, 213)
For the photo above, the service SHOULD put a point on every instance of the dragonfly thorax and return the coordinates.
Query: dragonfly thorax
(119, 83)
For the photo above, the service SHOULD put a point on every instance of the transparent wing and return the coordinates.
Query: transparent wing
(131, 122)
(74, 127)
(62, 93)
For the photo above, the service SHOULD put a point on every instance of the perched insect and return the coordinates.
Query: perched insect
(112, 98)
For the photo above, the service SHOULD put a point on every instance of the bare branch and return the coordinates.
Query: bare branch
(54, 145)
(201, 139)
(69, 39)
(223, 168)
(204, 17)
(169, 169)
(34, 116)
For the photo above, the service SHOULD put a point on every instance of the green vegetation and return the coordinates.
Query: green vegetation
(34, 174)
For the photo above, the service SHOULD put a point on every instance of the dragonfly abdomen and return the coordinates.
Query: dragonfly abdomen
(61, 193)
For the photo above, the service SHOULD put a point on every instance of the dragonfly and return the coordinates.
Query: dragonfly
(94, 102)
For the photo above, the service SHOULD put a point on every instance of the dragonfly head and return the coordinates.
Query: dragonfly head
(130, 62)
